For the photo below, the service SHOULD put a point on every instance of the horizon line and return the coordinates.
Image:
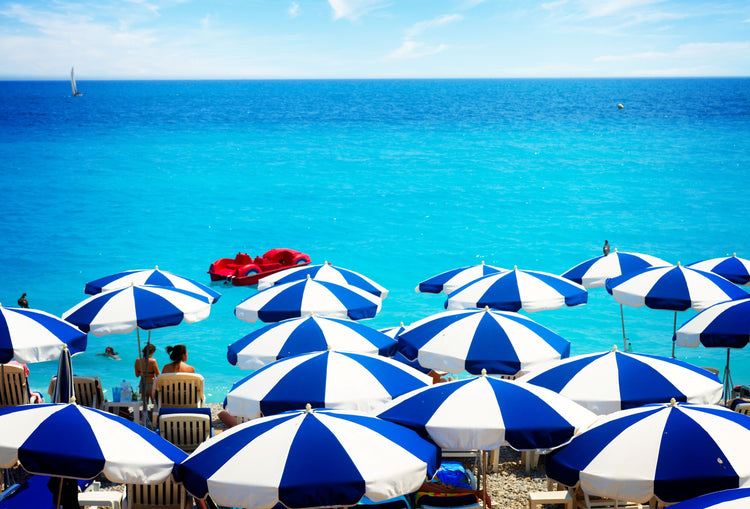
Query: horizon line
(390, 78)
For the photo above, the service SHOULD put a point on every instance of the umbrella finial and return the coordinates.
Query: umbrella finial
(614, 348)
(484, 372)
(486, 308)
(482, 262)
(156, 267)
(73, 400)
(615, 250)
(308, 408)
(308, 277)
(734, 255)
(672, 402)
(402, 324)
(515, 267)
(678, 264)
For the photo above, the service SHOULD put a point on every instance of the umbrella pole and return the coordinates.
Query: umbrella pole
(727, 381)
(624, 339)
(674, 331)
(59, 494)
(484, 479)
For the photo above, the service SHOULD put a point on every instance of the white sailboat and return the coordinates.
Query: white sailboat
(73, 82)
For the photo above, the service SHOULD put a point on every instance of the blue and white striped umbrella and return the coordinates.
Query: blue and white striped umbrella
(307, 334)
(67, 440)
(454, 279)
(63, 391)
(606, 382)
(499, 342)
(738, 498)
(674, 452)
(675, 288)
(313, 458)
(723, 325)
(486, 413)
(518, 289)
(305, 298)
(345, 381)
(593, 273)
(150, 277)
(325, 272)
(30, 335)
(143, 307)
(395, 332)
(736, 270)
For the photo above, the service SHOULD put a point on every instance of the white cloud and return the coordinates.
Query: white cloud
(701, 50)
(602, 8)
(412, 49)
(144, 3)
(422, 26)
(354, 9)
(293, 10)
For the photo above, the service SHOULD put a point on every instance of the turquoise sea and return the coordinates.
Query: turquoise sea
(398, 180)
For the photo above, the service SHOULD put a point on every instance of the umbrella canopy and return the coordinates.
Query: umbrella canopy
(308, 297)
(480, 339)
(723, 325)
(307, 334)
(736, 270)
(486, 413)
(610, 381)
(675, 288)
(454, 279)
(673, 451)
(150, 277)
(63, 391)
(30, 335)
(518, 289)
(309, 459)
(738, 498)
(593, 273)
(395, 332)
(67, 440)
(345, 381)
(144, 307)
(325, 272)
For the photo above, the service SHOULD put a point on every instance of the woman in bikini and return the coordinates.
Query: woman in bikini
(151, 372)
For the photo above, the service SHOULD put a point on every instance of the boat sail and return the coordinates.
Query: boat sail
(73, 82)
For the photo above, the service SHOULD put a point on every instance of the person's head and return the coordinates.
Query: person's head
(110, 351)
(149, 350)
(177, 352)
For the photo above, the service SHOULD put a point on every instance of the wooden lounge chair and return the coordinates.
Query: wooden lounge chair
(167, 495)
(14, 388)
(185, 430)
(743, 408)
(177, 390)
(593, 502)
(86, 389)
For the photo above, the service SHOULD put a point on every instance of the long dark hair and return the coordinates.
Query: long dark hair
(149, 350)
(176, 352)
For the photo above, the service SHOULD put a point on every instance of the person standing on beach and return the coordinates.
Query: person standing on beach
(178, 355)
(150, 373)
(606, 247)
(22, 302)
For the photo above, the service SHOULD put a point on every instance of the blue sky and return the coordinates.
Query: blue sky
(155, 39)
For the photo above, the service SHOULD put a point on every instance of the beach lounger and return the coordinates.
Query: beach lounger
(87, 390)
(186, 430)
(178, 390)
(592, 502)
(14, 389)
(167, 495)
(743, 408)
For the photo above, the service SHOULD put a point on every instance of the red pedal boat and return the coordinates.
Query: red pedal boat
(242, 270)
